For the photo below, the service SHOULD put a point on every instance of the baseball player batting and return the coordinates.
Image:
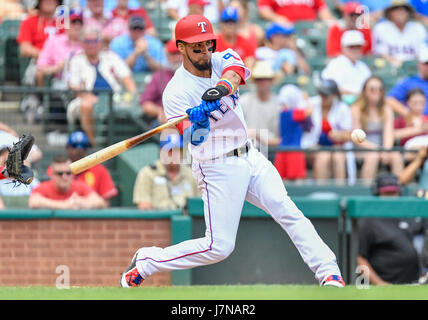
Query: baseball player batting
(227, 168)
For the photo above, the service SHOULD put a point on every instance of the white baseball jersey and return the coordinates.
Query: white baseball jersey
(403, 45)
(228, 129)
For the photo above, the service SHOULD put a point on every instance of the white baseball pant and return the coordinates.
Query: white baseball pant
(225, 184)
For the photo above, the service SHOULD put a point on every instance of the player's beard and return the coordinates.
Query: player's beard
(202, 66)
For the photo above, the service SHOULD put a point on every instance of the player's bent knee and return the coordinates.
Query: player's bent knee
(221, 249)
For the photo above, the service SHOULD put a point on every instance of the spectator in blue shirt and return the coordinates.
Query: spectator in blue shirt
(421, 8)
(142, 52)
(396, 97)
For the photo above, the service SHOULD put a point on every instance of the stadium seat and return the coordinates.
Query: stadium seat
(12, 60)
(142, 79)
(408, 68)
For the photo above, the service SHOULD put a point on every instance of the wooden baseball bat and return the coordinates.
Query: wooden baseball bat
(119, 147)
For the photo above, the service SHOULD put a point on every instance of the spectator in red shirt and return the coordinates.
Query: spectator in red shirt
(251, 32)
(35, 29)
(415, 124)
(289, 12)
(97, 177)
(62, 191)
(229, 37)
(151, 98)
(123, 11)
(351, 19)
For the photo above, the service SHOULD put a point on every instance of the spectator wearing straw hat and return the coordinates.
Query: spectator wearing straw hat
(261, 109)
(398, 38)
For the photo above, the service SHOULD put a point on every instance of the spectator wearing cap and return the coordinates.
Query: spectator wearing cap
(347, 70)
(35, 29)
(331, 127)
(91, 69)
(352, 19)
(151, 98)
(279, 50)
(294, 120)
(109, 26)
(375, 8)
(261, 107)
(97, 177)
(141, 52)
(398, 38)
(289, 12)
(177, 9)
(385, 245)
(396, 97)
(124, 11)
(167, 183)
(62, 191)
(57, 51)
(229, 37)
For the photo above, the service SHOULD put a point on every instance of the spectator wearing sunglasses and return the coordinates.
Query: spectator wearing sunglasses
(96, 177)
(63, 191)
(352, 14)
(141, 52)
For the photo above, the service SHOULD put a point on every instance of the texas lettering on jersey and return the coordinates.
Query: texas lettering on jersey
(228, 129)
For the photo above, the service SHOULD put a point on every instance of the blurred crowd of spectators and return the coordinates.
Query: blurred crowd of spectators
(90, 45)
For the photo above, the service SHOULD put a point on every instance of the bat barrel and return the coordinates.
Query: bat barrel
(112, 151)
(98, 157)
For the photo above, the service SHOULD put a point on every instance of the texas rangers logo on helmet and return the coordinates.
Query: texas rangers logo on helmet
(202, 25)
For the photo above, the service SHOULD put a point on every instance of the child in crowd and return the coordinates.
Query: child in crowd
(294, 120)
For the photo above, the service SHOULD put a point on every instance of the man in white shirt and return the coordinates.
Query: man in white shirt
(398, 38)
(262, 109)
(347, 70)
(95, 68)
(331, 127)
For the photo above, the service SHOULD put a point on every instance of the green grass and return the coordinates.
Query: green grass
(243, 292)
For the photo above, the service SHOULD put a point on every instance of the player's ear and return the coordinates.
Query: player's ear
(180, 46)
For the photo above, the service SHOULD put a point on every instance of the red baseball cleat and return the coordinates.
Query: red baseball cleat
(334, 281)
(131, 277)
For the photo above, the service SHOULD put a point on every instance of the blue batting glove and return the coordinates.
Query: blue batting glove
(196, 114)
(210, 106)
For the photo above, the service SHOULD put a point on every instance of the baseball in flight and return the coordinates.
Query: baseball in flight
(358, 136)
